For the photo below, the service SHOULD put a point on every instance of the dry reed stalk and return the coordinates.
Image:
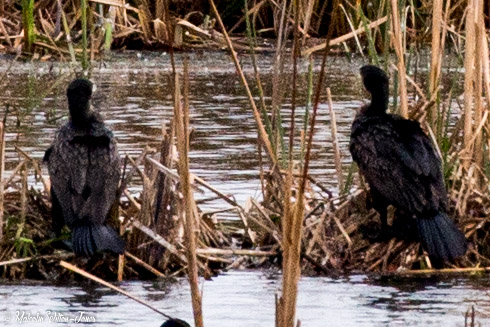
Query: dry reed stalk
(251, 34)
(351, 25)
(84, 8)
(287, 302)
(85, 274)
(144, 264)
(120, 267)
(251, 11)
(289, 19)
(291, 260)
(2, 169)
(307, 19)
(263, 134)
(468, 81)
(442, 271)
(277, 69)
(159, 239)
(120, 259)
(252, 253)
(35, 164)
(335, 142)
(486, 79)
(182, 120)
(13, 174)
(292, 233)
(64, 255)
(5, 33)
(400, 53)
(478, 84)
(486, 68)
(436, 56)
(198, 180)
(246, 226)
(344, 37)
(144, 18)
(23, 195)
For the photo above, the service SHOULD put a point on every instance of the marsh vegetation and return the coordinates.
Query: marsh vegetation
(311, 211)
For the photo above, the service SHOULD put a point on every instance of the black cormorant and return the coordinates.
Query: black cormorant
(84, 167)
(174, 322)
(402, 169)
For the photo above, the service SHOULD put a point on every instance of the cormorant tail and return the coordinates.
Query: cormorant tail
(88, 239)
(441, 237)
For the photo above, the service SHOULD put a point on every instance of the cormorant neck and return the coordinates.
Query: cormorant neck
(379, 102)
(80, 113)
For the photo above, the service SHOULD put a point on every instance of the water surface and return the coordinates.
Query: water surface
(134, 95)
(246, 299)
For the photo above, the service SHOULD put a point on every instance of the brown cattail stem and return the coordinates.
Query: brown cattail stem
(2, 168)
(468, 81)
(436, 56)
(397, 40)
(335, 141)
(189, 213)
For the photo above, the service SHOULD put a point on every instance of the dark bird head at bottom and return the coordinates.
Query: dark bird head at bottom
(174, 322)
(79, 93)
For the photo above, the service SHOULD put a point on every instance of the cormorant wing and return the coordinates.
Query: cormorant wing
(398, 160)
(102, 177)
(84, 171)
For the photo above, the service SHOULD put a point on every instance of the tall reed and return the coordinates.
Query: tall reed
(436, 56)
(400, 53)
(2, 168)
(468, 81)
(84, 6)
(189, 211)
(478, 84)
(292, 212)
(335, 142)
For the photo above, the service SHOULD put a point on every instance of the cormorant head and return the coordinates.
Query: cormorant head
(376, 82)
(374, 79)
(79, 93)
(174, 322)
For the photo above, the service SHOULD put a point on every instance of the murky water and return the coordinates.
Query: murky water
(247, 299)
(134, 96)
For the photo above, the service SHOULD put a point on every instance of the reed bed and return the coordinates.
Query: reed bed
(29, 248)
(49, 28)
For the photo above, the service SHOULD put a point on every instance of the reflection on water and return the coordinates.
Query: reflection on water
(247, 299)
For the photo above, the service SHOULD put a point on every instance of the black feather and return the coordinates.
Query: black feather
(84, 167)
(401, 167)
(47, 153)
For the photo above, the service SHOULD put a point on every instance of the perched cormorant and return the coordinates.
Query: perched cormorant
(402, 169)
(84, 167)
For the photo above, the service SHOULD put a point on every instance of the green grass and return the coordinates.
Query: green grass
(28, 23)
